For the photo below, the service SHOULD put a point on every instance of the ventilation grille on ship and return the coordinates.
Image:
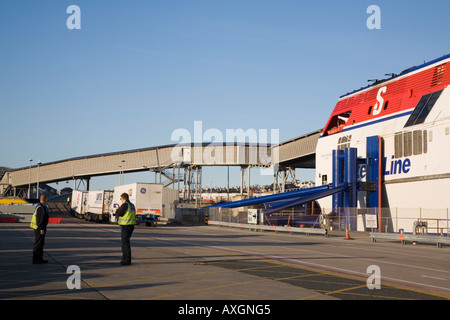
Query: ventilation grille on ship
(438, 75)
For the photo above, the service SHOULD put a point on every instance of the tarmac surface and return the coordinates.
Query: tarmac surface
(201, 263)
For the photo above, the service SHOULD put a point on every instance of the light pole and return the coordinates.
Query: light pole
(37, 189)
(29, 180)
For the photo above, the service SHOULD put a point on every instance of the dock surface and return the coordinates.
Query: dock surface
(199, 263)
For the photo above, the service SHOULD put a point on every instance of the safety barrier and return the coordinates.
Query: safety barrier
(54, 220)
(8, 219)
(404, 238)
(256, 227)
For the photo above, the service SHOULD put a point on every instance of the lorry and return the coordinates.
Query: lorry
(78, 203)
(98, 205)
(151, 200)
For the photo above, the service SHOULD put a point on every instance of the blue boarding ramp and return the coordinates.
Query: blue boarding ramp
(285, 200)
(344, 188)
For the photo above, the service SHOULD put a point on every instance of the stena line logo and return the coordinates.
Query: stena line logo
(380, 101)
(393, 167)
(398, 166)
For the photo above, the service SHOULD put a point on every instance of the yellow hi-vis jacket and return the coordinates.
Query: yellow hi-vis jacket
(129, 218)
(33, 223)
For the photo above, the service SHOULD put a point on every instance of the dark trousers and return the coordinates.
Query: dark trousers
(127, 231)
(38, 248)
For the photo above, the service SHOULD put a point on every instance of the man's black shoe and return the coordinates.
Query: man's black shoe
(125, 263)
(40, 261)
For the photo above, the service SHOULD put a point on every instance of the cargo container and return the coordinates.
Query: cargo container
(78, 203)
(151, 200)
(98, 205)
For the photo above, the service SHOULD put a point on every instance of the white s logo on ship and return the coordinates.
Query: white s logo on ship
(379, 105)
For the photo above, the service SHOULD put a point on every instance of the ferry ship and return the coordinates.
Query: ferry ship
(410, 112)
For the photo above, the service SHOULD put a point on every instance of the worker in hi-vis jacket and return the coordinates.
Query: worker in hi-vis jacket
(39, 222)
(126, 218)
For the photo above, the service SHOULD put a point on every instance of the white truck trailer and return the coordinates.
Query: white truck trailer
(149, 199)
(78, 203)
(99, 205)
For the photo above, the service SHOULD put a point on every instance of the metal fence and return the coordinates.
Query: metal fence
(386, 220)
(415, 220)
(282, 218)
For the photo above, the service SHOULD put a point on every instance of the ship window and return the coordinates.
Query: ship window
(324, 179)
(425, 141)
(417, 142)
(386, 105)
(423, 108)
(370, 110)
(410, 143)
(407, 144)
(344, 142)
(398, 142)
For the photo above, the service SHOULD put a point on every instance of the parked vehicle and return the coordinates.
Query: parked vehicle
(149, 199)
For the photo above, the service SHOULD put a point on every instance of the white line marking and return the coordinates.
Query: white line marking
(425, 276)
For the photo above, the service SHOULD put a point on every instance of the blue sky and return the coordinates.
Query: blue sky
(138, 70)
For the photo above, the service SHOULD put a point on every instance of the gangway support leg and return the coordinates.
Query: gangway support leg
(351, 194)
(374, 173)
(338, 178)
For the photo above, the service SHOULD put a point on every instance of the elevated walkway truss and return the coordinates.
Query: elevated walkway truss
(164, 160)
(168, 160)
